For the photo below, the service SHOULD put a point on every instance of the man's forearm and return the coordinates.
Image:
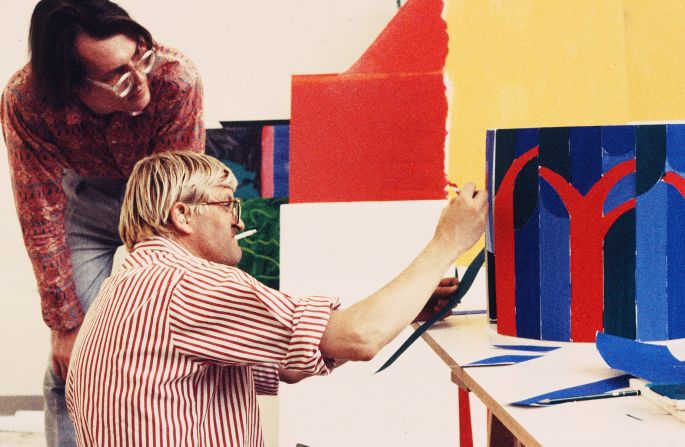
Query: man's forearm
(370, 324)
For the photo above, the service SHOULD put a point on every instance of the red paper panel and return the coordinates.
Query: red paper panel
(367, 137)
(376, 132)
(415, 40)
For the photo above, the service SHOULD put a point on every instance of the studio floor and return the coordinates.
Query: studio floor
(23, 428)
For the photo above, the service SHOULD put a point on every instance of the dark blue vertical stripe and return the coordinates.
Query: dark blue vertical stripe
(281, 160)
(526, 237)
(528, 279)
(505, 143)
(619, 278)
(675, 162)
(618, 144)
(586, 157)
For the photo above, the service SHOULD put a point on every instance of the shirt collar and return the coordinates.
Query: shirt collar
(159, 243)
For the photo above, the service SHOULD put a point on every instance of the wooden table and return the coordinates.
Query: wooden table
(625, 421)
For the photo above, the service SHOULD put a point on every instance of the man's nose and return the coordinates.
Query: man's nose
(241, 225)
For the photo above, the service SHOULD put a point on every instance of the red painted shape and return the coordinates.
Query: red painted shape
(465, 430)
(378, 131)
(676, 181)
(367, 137)
(505, 275)
(415, 41)
(588, 227)
(267, 161)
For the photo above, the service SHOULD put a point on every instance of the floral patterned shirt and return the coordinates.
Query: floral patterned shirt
(43, 141)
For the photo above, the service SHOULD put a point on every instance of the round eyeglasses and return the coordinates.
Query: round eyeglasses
(124, 84)
(233, 205)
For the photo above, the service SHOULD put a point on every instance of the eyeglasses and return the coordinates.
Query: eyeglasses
(232, 204)
(124, 84)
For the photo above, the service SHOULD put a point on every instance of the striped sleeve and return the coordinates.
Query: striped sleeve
(266, 379)
(227, 317)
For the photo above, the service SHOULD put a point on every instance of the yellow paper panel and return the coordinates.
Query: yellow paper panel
(655, 49)
(530, 63)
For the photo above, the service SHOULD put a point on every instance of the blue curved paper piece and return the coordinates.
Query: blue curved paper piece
(601, 386)
(502, 360)
(464, 286)
(531, 348)
(653, 363)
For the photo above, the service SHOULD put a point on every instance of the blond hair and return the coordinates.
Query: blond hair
(161, 180)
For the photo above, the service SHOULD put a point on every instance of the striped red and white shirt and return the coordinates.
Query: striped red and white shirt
(175, 349)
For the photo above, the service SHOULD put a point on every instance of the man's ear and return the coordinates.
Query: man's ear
(179, 217)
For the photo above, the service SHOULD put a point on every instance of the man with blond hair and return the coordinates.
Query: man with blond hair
(179, 341)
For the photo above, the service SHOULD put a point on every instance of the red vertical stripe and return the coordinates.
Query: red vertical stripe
(268, 161)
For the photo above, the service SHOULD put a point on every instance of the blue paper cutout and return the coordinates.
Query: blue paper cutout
(532, 348)
(619, 278)
(601, 386)
(555, 281)
(527, 270)
(586, 157)
(653, 363)
(675, 256)
(502, 360)
(650, 271)
(281, 160)
(618, 144)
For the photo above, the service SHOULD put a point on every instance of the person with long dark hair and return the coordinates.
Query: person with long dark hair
(98, 94)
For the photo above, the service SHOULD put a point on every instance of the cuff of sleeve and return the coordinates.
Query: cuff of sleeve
(65, 316)
(309, 323)
(266, 379)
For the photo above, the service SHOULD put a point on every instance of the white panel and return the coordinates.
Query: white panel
(351, 250)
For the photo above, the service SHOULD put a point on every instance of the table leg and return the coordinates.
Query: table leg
(499, 435)
(465, 431)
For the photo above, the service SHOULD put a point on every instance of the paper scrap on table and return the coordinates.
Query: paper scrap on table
(531, 348)
(653, 363)
(502, 360)
(601, 386)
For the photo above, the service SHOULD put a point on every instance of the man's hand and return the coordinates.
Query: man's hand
(439, 299)
(62, 344)
(462, 221)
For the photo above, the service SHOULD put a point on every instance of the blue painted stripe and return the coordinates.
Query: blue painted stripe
(526, 237)
(676, 264)
(586, 157)
(528, 279)
(281, 160)
(675, 161)
(650, 271)
(618, 145)
(651, 241)
(555, 281)
(526, 139)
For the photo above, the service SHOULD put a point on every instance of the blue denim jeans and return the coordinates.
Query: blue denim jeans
(92, 222)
